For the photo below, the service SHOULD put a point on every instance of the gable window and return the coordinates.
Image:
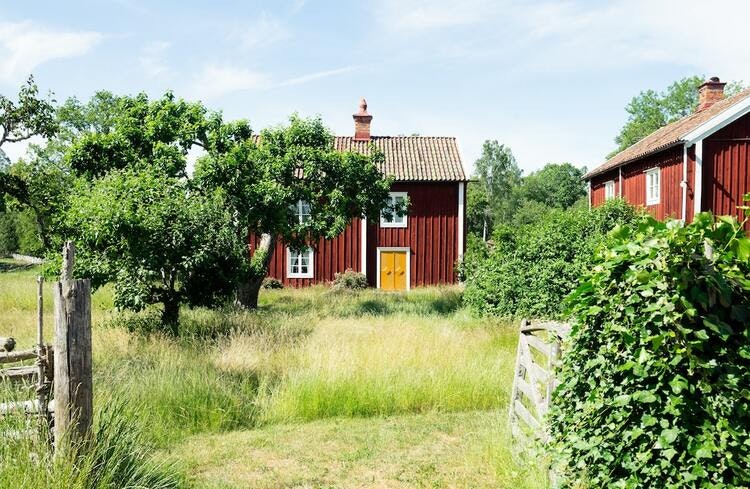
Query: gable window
(396, 221)
(609, 190)
(653, 186)
(299, 263)
(302, 211)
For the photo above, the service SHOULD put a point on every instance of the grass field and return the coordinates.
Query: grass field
(315, 389)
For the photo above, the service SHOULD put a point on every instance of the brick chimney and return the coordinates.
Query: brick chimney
(710, 92)
(362, 122)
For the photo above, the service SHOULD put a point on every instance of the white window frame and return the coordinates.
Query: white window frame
(395, 224)
(609, 190)
(298, 208)
(310, 264)
(653, 189)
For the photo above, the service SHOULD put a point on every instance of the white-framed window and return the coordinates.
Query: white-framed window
(302, 211)
(299, 263)
(653, 186)
(609, 190)
(395, 221)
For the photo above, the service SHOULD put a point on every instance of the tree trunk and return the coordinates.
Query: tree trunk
(248, 291)
(170, 316)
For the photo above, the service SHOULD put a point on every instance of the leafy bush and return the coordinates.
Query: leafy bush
(654, 382)
(8, 236)
(272, 283)
(349, 280)
(536, 262)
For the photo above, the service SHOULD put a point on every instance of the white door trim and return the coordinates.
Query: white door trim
(363, 251)
(408, 263)
(698, 185)
(461, 220)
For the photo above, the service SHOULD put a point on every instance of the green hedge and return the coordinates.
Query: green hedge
(655, 380)
(536, 262)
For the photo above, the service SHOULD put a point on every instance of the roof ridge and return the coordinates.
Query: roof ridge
(680, 127)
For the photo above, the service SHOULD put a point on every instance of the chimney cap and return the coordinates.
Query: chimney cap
(714, 81)
(362, 107)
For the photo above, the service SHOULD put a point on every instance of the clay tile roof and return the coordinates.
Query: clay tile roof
(412, 158)
(667, 136)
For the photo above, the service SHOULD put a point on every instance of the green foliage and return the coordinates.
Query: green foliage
(8, 235)
(650, 110)
(155, 239)
(555, 185)
(29, 116)
(654, 379)
(498, 179)
(478, 213)
(533, 264)
(349, 280)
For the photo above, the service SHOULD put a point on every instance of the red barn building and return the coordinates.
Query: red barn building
(420, 248)
(698, 163)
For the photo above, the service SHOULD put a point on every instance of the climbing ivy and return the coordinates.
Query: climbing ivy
(655, 381)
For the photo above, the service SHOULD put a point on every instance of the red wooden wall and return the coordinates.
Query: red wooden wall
(330, 256)
(634, 183)
(431, 235)
(726, 157)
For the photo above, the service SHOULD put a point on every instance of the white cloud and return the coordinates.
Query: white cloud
(215, 81)
(266, 30)
(153, 59)
(26, 45)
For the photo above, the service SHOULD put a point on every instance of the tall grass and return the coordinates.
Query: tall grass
(118, 456)
(304, 355)
(384, 366)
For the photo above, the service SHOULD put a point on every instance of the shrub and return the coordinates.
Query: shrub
(535, 263)
(272, 283)
(8, 235)
(350, 280)
(654, 380)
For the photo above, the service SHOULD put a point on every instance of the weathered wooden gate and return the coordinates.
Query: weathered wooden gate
(533, 381)
(67, 372)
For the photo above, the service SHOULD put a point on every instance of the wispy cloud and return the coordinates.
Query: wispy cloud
(215, 81)
(264, 31)
(316, 76)
(26, 45)
(153, 59)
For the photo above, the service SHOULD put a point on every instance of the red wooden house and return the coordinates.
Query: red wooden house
(420, 248)
(698, 163)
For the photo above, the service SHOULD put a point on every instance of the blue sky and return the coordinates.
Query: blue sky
(550, 79)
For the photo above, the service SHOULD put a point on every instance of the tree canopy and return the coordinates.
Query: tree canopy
(135, 214)
(556, 185)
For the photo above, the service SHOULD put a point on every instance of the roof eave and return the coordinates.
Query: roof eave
(596, 171)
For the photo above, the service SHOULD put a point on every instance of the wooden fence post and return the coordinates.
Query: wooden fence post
(73, 372)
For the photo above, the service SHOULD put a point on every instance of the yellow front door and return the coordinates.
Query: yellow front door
(393, 270)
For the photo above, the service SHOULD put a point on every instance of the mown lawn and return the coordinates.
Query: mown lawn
(315, 389)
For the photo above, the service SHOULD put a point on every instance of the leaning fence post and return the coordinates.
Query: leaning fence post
(73, 372)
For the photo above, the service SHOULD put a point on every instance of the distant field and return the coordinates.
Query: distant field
(315, 389)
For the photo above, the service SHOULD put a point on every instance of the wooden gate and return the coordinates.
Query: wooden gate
(533, 381)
